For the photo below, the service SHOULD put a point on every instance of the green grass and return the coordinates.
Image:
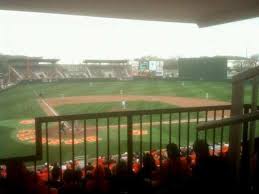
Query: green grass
(113, 106)
(197, 89)
(9, 144)
(20, 103)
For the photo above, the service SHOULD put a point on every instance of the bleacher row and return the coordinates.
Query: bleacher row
(55, 72)
(202, 171)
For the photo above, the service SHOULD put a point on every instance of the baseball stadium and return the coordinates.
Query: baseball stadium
(148, 124)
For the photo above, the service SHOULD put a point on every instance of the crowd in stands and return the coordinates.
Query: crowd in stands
(198, 172)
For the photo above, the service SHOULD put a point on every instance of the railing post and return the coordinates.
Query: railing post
(130, 141)
(47, 147)
(235, 130)
(119, 139)
(253, 124)
(245, 154)
(252, 128)
(38, 138)
(245, 128)
(60, 149)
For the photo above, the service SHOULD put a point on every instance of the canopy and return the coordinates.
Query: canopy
(202, 12)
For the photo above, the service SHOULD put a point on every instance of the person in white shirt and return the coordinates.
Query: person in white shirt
(123, 104)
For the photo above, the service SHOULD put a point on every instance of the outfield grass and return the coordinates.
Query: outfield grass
(198, 89)
(20, 103)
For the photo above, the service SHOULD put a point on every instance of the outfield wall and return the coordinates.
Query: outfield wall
(206, 68)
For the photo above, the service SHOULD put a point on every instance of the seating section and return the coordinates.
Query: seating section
(202, 170)
(59, 72)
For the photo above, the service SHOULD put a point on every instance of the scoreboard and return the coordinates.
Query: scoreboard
(154, 68)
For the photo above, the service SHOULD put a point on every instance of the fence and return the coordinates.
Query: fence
(242, 127)
(248, 122)
(135, 131)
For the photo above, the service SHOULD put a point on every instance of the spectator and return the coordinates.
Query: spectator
(89, 166)
(98, 183)
(55, 176)
(209, 169)
(20, 180)
(2, 180)
(148, 175)
(201, 170)
(174, 170)
(2, 173)
(124, 180)
(69, 186)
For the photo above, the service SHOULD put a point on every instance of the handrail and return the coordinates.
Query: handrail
(246, 75)
(128, 114)
(229, 121)
(42, 123)
(237, 118)
(21, 158)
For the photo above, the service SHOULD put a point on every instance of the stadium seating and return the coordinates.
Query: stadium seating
(60, 72)
(199, 171)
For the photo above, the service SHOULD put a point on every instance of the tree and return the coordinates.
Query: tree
(242, 65)
(254, 60)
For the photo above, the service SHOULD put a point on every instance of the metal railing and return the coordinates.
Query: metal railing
(240, 132)
(238, 95)
(135, 131)
(248, 122)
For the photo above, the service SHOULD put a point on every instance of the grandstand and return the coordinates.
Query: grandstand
(31, 69)
(118, 69)
(44, 72)
(2, 81)
(22, 68)
(74, 72)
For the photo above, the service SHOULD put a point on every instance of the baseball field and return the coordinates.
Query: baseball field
(21, 104)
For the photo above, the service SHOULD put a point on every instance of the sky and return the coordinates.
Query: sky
(75, 38)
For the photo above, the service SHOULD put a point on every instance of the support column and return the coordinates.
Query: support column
(235, 130)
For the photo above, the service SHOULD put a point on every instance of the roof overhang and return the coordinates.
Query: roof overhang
(21, 58)
(202, 12)
(104, 61)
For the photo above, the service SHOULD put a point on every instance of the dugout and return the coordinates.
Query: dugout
(204, 68)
